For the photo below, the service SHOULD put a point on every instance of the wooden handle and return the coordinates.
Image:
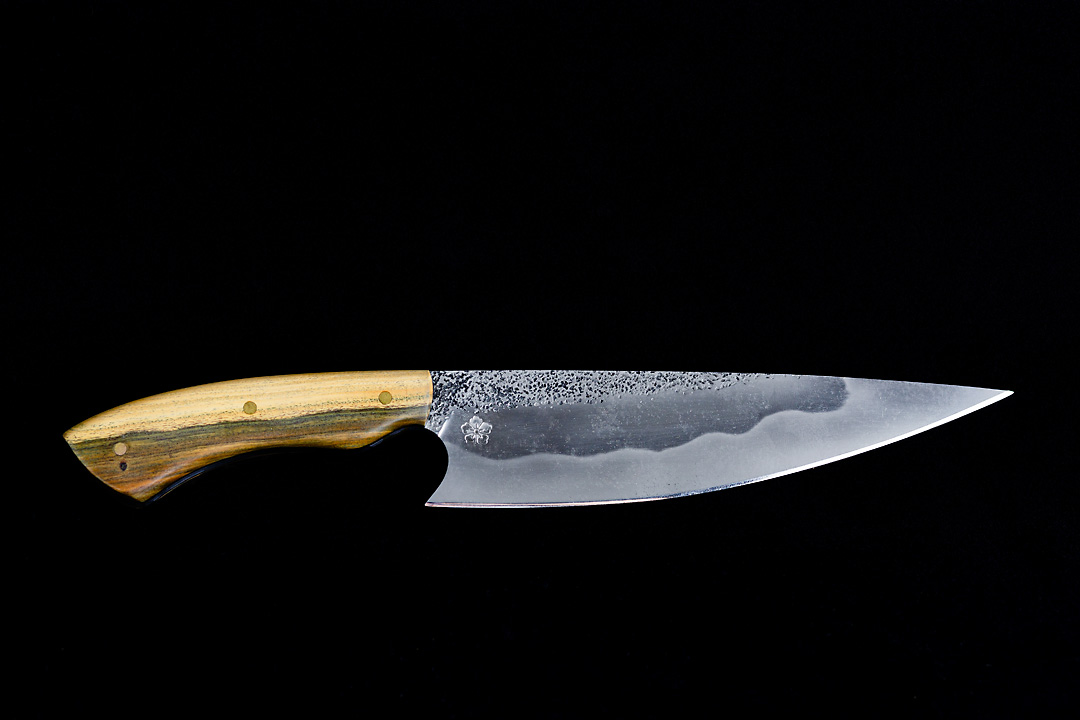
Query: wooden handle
(142, 448)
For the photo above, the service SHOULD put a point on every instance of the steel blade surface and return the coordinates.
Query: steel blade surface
(577, 438)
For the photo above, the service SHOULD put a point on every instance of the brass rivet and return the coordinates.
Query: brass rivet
(385, 397)
(250, 407)
(119, 448)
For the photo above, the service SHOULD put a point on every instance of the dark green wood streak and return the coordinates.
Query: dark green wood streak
(156, 460)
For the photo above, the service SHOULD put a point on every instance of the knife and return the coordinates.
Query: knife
(527, 438)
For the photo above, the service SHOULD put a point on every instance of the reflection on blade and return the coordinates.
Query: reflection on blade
(672, 443)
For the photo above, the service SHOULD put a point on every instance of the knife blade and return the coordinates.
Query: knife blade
(528, 438)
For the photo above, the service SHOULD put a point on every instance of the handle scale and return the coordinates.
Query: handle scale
(142, 448)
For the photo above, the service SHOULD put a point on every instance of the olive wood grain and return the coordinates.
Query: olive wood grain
(142, 448)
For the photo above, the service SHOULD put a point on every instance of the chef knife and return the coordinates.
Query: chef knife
(527, 438)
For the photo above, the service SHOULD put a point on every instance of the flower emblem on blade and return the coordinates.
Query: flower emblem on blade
(476, 430)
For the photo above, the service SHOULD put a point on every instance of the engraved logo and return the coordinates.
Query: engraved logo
(476, 430)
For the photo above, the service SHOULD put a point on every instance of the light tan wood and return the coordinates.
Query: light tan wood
(144, 447)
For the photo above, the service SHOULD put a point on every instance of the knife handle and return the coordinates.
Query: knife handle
(143, 448)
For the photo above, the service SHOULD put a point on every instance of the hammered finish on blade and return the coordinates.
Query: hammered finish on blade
(542, 438)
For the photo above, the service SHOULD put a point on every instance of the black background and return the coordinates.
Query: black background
(883, 190)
